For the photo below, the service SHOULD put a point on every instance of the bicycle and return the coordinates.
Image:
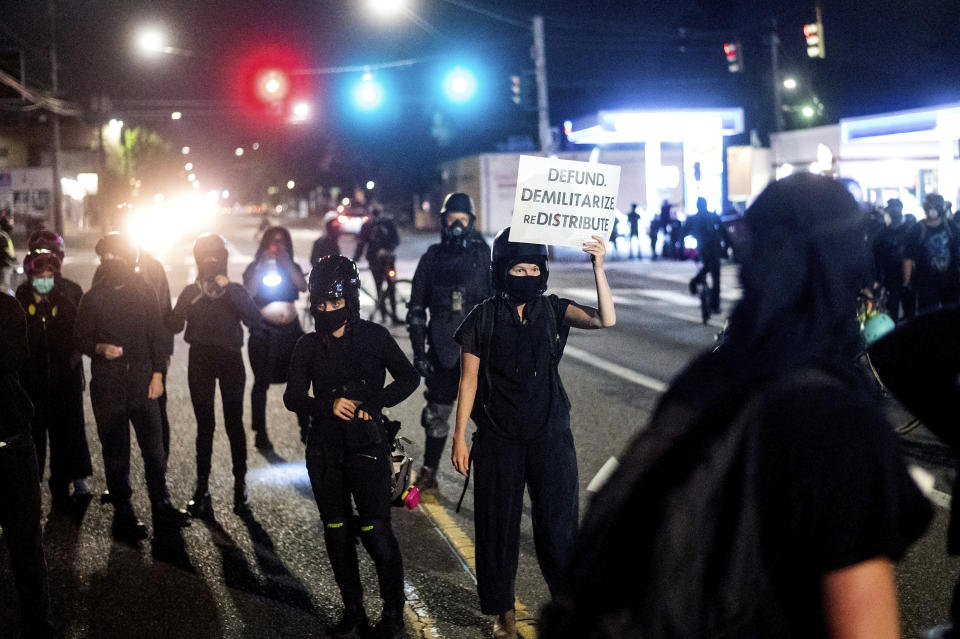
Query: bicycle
(393, 297)
(705, 292)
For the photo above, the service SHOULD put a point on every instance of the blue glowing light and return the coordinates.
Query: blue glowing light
(272, 279)
(460, 85)
(369, 93)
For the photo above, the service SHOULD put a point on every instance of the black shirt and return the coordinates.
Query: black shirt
(16, 411)
(834, 492)
(53, 361)
(522, 386)
(353, 366)
(214, 321)
(933, 250)
(122, 309)
(71, 289)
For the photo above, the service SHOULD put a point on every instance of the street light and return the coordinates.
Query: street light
(188, 166)
(192, 177)
(185, 150)
(176, 115)
(370, 185)
(807, 111)
(368, 94)
(238, 151)
(459, 85)
(151, 41)
(291, 184)
(386, 8)
(790, 84)
(300, 113)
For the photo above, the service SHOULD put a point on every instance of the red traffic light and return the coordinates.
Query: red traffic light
(731, 51)
(271, 85)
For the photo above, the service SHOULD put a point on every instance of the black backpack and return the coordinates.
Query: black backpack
(670, 547)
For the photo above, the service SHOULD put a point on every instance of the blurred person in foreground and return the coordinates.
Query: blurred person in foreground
(768, 496)
(19, 479)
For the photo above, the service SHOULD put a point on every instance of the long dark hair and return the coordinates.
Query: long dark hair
(270, 236)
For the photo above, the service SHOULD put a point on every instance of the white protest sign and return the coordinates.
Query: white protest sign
(563, 202)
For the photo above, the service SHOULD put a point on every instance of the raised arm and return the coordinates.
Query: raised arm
(604, 316)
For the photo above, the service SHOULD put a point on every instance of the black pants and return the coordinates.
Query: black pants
(936, 290)
(335, 477)
(20, 521)
(206, 365)
(386, 290)
(270, 351)
(58, 414)
(710, 265)
(118, 392)
(164, 419)
(442, 389)
(501, 468)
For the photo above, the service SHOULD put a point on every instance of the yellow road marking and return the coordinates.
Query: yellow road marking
(526, 622)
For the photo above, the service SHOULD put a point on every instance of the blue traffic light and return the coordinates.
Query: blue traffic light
(369, 93)
(460, 85)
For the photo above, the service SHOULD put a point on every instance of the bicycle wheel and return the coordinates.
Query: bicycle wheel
(402, 290)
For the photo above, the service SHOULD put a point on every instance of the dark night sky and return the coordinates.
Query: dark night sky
(881, 55)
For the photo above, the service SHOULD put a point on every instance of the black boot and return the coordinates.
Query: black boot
(126, 526)
(167, 516)
(261, 440)
(352, 625)
(201, 505)
(241, 503)
(390, 625)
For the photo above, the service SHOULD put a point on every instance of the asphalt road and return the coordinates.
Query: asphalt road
(267, 575)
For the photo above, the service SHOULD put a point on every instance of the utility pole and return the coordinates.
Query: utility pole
(54, 84)
(540, 64)
(775, 68)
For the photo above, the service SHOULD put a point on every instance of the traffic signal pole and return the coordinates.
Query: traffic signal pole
(55, 161)
(540, 64)
(775, 72)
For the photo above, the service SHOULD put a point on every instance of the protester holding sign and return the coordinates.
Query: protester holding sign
(510, 348)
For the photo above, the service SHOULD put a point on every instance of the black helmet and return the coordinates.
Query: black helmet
(936, 202)
(506, 254)
(48, 240)
(119, 245)
(456, 235)
(457, 203)
(335, 277)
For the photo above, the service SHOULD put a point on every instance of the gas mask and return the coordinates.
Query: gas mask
(455, 234)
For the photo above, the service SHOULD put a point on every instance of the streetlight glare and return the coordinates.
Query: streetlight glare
(176, 115)
(790, 84)
(807, 111)
(370, 185)
(460, 85)
(238, 151)
(188, 166)
(151, 41)
(386, 8)
(369, 93)
(291, 184)
(185, 150)
(192, 177)
(301, 113)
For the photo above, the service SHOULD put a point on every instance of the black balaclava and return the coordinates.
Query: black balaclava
(523, 288)
(805, 259)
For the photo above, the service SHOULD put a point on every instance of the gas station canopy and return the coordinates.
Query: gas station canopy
(635, 126)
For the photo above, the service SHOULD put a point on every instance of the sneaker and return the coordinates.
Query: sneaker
(944, 631)
(126, 527)
(201, 506)
(353, 623)
(166, 515)
(426, 479)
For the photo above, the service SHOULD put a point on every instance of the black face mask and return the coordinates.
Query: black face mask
(210, 269)
(454, 234)
(113, 270)
(329, 321)
(522, 288)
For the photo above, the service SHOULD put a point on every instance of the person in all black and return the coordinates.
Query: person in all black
(510, 384)
(275, 282)
(888, 257)
(212, 309)
(19, 478)
(633, 219)
(710, 233)
(120, 328)
(50, 241)
(451, 278)
(797, 539)
(53, 377)
(931, 258)
(345, 361)
(152, 271)
(329, 244)
(379, 239)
